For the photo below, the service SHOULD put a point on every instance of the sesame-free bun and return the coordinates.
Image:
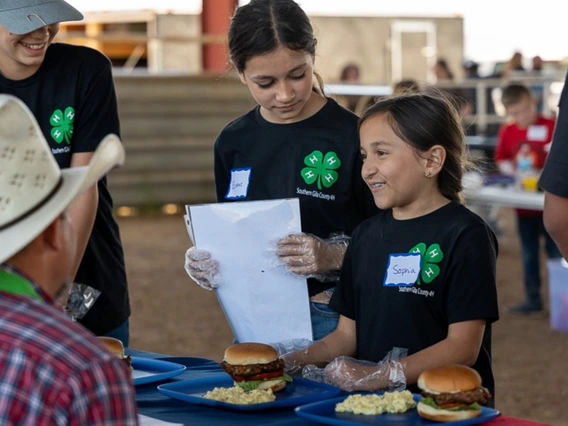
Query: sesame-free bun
(449, 378)
(113, 345)
(436, 415)
(275, 385)
(250, 353)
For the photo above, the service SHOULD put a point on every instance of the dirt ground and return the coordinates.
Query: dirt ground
(172, 315)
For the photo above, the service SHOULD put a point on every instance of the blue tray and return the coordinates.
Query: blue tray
(155, 370)
(300, 392)
(324, 412)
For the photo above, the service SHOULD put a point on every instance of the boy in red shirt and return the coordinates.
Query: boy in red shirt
(529, 136)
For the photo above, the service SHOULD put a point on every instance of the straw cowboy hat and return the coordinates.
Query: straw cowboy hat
(33, 190)
(25, 16)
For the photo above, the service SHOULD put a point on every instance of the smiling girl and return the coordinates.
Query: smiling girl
(419, 277)
(295, 143)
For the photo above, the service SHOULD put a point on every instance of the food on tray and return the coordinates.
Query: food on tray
(373, 405)
(255, 366)
(451, 393)
(237, 395)
(115, 347)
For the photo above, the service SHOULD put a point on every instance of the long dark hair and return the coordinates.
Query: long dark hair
(262, 26)
(425, 120)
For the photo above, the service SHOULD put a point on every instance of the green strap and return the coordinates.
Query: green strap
(12, 284)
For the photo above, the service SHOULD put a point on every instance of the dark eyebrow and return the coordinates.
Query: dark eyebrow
(379, 143)
(266, 77)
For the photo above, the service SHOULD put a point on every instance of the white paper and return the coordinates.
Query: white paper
(150, 421)
(537, 133)
(261, 300)
(187, 222)
(403, 269)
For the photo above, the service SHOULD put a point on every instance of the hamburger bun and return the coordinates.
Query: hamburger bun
(114, 346)
(250, 353)
(430, 413)
(275, 385)
(449, 378)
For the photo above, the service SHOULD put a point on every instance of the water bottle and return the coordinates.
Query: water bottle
(525, 166)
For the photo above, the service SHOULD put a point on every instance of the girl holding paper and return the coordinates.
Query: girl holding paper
(295, 143)
(419, 278)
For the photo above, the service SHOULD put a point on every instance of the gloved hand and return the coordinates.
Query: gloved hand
(313, 257)
(351, 374)
(201, 268)
(292, 352)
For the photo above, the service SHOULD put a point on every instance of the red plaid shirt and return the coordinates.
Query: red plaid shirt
(54, 372)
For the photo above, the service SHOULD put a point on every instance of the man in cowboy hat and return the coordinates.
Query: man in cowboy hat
(70, 91)
(52, 371)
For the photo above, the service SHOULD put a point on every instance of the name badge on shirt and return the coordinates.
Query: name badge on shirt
(537, 133)
(238, 187)
(403, 269)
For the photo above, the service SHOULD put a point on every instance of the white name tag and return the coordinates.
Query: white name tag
(403, 269)
(238, 187)
(537, 133)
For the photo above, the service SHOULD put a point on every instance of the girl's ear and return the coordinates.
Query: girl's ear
(435, 158)
(242, 78)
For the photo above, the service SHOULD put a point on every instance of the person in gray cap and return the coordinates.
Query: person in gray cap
(71, 93)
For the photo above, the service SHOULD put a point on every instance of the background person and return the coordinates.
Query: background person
(528, 133)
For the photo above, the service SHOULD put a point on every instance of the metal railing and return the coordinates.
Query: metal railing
(483, 94)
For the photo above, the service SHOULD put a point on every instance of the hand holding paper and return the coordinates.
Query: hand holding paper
(310, 256)
(201, 268)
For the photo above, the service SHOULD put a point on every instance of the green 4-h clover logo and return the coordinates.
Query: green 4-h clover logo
(430, 257)
(62, 125)
(321, 169)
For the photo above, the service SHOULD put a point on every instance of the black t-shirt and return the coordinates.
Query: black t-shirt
(73, 99)
(554, 178)
(316, 160)
(455, 282)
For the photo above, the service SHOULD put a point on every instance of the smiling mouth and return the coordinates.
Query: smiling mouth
(376, 185)
(34, 46)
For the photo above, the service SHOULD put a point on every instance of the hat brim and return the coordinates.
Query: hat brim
(75, 181)
(27, 19)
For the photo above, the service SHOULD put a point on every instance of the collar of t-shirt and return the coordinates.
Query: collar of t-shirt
(13, 281)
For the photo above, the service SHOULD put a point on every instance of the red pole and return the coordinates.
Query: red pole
(215, 18)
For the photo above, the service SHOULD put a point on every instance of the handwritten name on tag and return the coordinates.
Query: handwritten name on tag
(537, 133)
(403, 269)
(238, 187)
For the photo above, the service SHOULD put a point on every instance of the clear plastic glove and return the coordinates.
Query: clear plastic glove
(313, 257)
(201, 268)
(351, 374)
(291, 352)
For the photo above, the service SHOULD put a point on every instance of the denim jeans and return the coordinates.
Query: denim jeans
(122, 333)
(324, 320)
(530, 230)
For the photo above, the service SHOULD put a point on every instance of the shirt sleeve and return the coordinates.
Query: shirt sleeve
(102, 394)
(343, 299)
(554, 178)
(472, 290)
(221, 171)
(97, 113)
(502, 150)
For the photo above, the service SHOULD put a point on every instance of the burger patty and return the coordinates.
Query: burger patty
(479, 395)
(252, 369)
